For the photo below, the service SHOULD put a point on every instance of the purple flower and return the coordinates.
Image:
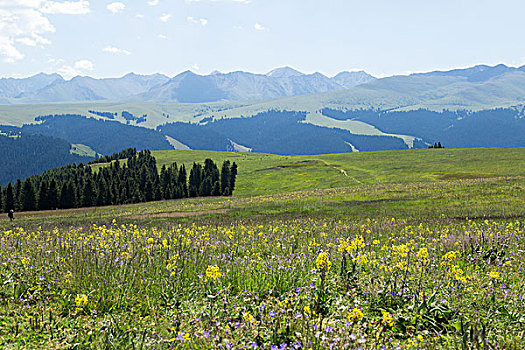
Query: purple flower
(254, 346)
(283, 346)
(272, 313)
(262, 307)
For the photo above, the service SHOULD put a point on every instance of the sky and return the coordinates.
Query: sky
(103, 38)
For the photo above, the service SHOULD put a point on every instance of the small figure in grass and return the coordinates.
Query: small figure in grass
(11, 215)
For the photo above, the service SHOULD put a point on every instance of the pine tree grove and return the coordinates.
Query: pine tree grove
(121, 182)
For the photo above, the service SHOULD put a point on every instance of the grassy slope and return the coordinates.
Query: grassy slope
(456, 183)
(267, 174)
(132, 300)
(19, 114)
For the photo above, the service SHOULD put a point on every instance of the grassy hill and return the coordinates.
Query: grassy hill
(389, 249)
(271, 174)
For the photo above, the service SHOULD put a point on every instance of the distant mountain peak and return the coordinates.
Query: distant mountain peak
(284, 72)
(350, 79)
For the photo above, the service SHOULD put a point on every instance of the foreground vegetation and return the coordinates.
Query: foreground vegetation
(399, 263)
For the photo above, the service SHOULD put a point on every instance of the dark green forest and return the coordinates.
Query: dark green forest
(25, 155)
(499, 127)
(277, 132)
(103, 136)
(134, 180)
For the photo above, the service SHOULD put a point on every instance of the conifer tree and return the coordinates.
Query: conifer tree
(28, 197)
(194, 184)
(52, 194)
(9, 198)
(216, 189)
(18, 195)
(88, 197)
(182, 182)
(233, 174)
(225, 178)
(43, 201)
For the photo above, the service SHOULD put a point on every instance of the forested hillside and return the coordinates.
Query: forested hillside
(278, 132)
(135, 180)
(103, 136)
(500, 127)
(25, 155)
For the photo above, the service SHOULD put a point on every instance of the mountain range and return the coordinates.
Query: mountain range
(186, 87)
(281, 112)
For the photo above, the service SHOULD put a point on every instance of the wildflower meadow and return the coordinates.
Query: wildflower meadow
(350, 268)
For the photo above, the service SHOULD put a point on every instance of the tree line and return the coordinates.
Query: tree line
(23, 155)
(122, 182)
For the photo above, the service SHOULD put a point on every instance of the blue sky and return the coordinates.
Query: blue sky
(384, 37)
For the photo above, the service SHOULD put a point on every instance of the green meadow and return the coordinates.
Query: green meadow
(417, 249)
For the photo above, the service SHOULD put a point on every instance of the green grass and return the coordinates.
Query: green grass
(83, 150)
(134, 276)
(267, 174)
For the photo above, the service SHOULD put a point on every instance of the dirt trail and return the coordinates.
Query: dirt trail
(342, 171)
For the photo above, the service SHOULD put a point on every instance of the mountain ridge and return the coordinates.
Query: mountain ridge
(186, 86)
(482, 85)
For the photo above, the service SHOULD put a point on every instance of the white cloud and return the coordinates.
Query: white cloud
(201, 21)
(84, 65)
(21, 19)
(66, 7)
(80, 67)
(26, 41)
(25, 22)
(162, 36)
(196, 67)
(153, 2)
(165, 17)
(8, 51)
(116, 50)
(55, 60)
(140, 15)
(258, 26)
(116, 7)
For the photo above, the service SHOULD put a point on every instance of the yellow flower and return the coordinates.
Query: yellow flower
(422, 254)
(494, 275)
(387, 319)
(355, 315)
(213, 273)
(323, 261)
(248, 317)
(81, 302)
